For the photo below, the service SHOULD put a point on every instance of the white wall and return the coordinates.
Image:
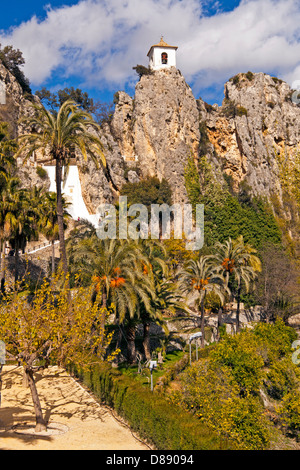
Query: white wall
(72, 193)
(155, 58)
(2, 93)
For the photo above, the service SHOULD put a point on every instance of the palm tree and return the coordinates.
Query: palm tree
(48, 222)
(166, 295)
(7, 149)
(116, 268)
(236, 261)
(83, 229)
(27, 205)
(198, 278)
(7, 161)
(9, 223)
(57, 136)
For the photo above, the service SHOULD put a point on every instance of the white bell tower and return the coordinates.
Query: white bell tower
(162, 55)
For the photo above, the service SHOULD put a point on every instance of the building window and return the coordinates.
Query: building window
(164, 58)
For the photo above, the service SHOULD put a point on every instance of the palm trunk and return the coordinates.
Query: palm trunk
(2, 273)
(238, 300)
(60, 216)
(40, 422)
(16, 262)
(220, 313)
(202, 322)
(103, 314)
(53, 257)
(131, 351)
(146, 341)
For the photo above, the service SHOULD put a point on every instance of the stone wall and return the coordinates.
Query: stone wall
(32, 267)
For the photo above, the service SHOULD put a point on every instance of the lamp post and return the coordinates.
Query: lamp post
(194, 336)
(152, 366)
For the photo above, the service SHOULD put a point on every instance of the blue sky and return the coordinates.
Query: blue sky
(93, 44)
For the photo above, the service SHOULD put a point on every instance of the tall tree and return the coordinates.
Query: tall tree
(197, 279)
(7, 163)
(48, 222)
(23, 209)
(102, 112)
(166, 295)
(117, 270)
(13, 60)
(7, 149)
(277, 285)
(9, 223)
(57, 136)
(46, 330)
(237, 263)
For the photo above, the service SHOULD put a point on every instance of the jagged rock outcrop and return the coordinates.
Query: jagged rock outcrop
(257, 124)
(252, 138)
(249, 136)
(159, 129)
(16, 106)
(95, 184)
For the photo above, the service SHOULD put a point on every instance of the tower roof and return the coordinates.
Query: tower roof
(163, 44)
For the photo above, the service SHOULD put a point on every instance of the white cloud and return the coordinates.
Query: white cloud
(101, 40)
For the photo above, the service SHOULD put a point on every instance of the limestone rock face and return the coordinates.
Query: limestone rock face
(15, 107)
(14, 103)
(159, 129)
(253, 138)
(95, 185)
(250, 137)
(256, 127)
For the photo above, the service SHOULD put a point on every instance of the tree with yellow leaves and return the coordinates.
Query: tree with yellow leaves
(55, 326)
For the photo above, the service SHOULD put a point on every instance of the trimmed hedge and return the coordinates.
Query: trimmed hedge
(149, 414)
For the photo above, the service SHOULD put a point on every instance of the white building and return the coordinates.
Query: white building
(2, 93)
(72, 193)
(162, 55)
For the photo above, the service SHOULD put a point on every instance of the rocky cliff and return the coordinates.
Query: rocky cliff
(16, 105)
(251, 141)
(159, 128)
(249, 136)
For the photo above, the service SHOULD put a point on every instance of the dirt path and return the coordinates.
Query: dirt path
(76, 420)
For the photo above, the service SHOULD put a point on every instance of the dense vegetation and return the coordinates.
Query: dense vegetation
(226, 214)
(86, 312)
(150, 414)
(228, 388)
(13, 60)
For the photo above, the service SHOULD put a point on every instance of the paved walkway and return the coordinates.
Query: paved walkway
(76, 420)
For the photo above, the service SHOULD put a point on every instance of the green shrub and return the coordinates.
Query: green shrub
(148, 191)
(224, 389)
(42, 173)
(224, 214)
(277, 337)
(142, 70)
(280, 378)
(235, 80)
(249, 75)
(241, 111)
(289, 412)
(228, 108)
(210, 390)
(149, 414)
(239, 354)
